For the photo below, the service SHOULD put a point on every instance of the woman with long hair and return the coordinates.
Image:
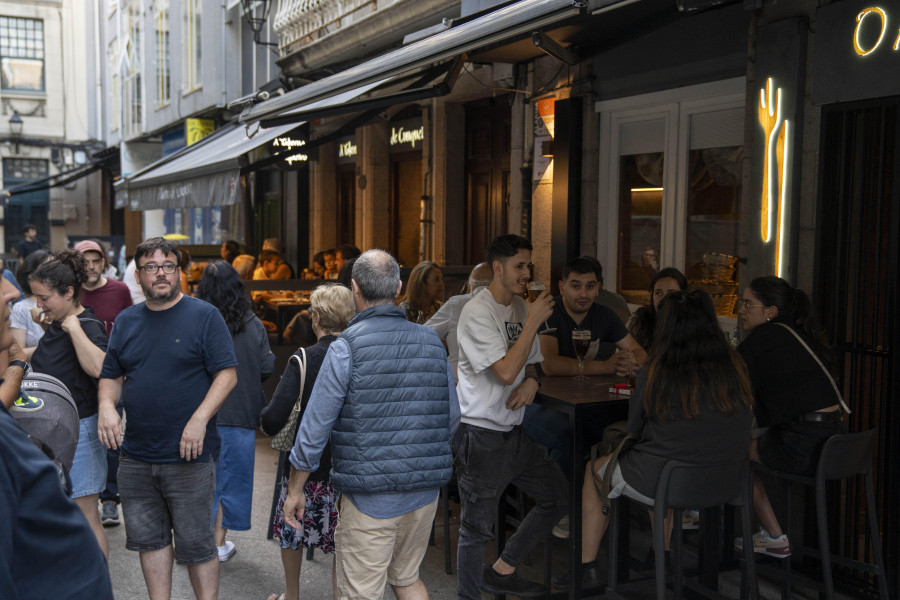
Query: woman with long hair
(24, 329)
(691, 403)
(236, 421)
(795, 398)
(331, 308)
(424, 292)
(72, 349)
(643, 323)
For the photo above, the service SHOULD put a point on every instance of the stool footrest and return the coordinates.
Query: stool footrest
(837, 559)
(792, 576)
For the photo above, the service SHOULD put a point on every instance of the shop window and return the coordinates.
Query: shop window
(163, 79)
(211, 225)
(192, 12)
(21, 54)
(672, 162)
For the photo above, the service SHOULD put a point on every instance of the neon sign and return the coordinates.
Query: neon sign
(291, 144)
(775, 170)
(860, 18)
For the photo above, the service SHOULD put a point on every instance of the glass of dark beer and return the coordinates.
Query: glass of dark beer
(581, 340)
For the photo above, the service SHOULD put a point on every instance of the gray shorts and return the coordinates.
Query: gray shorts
(159, 498)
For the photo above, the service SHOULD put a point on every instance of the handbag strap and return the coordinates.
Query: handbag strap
(818, 360)
(301, 365)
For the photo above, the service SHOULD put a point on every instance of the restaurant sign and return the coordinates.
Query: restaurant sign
(857, 52)
(293, 149)
(346, 150)
(407, 135)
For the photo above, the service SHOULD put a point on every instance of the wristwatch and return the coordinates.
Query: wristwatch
(21, 364)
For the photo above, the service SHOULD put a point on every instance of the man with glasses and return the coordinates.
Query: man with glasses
(173, 358)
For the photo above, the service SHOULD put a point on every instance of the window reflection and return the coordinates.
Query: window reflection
(640, 215)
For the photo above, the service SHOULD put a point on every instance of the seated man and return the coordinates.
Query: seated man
(575, 308)
(271, 266)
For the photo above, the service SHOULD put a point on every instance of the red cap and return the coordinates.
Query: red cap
(89, 246)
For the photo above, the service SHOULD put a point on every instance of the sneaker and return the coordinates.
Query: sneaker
(109, 514)
(26, 403)
(778, 547)
(739, 541)
(690, 519)
(226, 551)
(512, 585)
(561, 529)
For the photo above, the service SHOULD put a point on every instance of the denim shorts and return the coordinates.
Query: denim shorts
(88, 472)
(234, 476)
(159, 498)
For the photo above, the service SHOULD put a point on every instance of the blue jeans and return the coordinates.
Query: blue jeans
(486, 462)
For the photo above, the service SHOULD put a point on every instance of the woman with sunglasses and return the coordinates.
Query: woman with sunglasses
(796, 403)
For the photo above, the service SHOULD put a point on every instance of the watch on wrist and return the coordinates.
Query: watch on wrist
(21, 364)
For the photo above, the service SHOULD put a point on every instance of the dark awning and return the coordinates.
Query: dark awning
(208, 172)
(520, 18)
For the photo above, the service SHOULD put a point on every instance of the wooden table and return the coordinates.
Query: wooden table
(581, 401)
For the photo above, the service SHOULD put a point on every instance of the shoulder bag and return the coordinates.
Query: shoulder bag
(283, 441)
(818, 360)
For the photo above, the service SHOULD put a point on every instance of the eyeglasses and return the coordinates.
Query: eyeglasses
(747, 305)
(151, 269)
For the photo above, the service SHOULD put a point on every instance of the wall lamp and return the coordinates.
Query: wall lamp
(15, 128)
(553, 48)
(547, 148)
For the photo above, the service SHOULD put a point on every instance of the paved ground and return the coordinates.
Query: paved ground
(255, 570)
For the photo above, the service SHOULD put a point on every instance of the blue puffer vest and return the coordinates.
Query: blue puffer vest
(393, 432)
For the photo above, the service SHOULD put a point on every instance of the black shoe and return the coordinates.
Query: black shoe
(590, 578)
(493, 582)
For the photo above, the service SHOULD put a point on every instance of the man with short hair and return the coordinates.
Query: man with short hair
(173, 358)
(498, 358)
(446, 319)
(107, 297)
(29, 244)
(271, 266)
(385, 395)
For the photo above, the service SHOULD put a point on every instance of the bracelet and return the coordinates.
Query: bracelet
(537, 379)
(19, 363)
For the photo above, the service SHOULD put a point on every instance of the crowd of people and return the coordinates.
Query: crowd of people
(393, 395)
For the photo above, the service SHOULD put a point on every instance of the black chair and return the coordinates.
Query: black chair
(843, 456)
(682, 486)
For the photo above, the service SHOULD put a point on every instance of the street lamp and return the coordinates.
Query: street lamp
(256, 12)
(15, 128)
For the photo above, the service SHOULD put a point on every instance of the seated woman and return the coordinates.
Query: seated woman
(424, 292)
(795, 398)
(643, 324)
(691, 402)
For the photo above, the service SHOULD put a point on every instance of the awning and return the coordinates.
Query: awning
(208, 172)
(520, 18)
(52, 181)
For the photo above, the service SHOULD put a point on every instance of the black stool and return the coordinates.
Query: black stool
(843, 456)
(682, 486)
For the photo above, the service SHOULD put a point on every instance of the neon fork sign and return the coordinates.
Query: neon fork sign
(775, 170)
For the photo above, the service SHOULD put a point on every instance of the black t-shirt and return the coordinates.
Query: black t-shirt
(37, 520)
(606, 329)
(55, 355)
(24, 248)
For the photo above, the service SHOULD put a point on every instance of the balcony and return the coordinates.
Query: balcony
(333, 33)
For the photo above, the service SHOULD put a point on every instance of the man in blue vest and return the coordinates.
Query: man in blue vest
(386, 397)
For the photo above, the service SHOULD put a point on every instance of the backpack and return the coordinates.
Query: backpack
(56, 423)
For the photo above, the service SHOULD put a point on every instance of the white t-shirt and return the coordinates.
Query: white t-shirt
(486, 332)
(445, 323)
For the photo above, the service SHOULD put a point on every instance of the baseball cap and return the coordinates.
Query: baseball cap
(89, 246)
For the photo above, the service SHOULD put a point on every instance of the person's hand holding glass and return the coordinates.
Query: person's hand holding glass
(535, 290)
(627, 365)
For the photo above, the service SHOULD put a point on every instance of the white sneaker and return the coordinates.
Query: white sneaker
(561, 529)
(739, 541)
(226, 551)
(690, 519)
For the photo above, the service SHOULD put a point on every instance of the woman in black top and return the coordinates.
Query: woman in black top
(331, 308)
(794, 396)
(692, 402)
(643, 323)
(72, 350)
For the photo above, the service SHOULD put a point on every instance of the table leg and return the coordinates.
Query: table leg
(710, 547)
(576, 484)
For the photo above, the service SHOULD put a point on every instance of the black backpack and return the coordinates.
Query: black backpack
(55, 424)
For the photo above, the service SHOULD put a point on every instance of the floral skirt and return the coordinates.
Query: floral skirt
(319, 520)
